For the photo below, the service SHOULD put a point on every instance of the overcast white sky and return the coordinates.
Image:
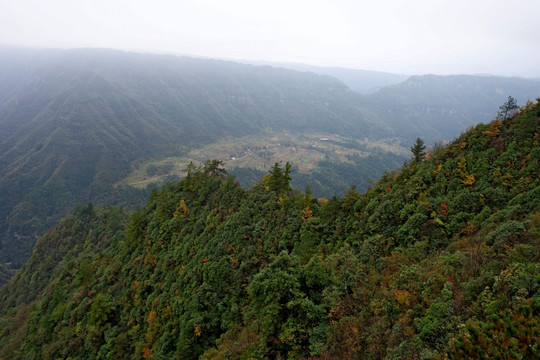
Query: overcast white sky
(411, 37)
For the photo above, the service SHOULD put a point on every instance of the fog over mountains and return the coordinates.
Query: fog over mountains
(74, 123)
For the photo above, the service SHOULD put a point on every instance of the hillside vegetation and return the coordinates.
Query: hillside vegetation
(440, 107)
(328, 163)
(74, 124)
(438, 260)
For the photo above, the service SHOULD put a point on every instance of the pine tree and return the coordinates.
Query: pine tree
(418, 150)
(279, 179)
(508, 108)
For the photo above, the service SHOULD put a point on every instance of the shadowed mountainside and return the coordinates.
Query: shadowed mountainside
(74, 122)
(438, 260)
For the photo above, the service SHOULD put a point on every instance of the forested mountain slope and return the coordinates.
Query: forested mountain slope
(5, 274)
(439, 107)
(438, 260)
(73, 123)
(87, 230)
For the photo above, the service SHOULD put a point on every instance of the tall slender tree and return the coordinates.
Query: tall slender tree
(507, 109)
(418, 150)
(279, 179)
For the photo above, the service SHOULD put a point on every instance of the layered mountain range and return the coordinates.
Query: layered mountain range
(74, 123)
(438, 260)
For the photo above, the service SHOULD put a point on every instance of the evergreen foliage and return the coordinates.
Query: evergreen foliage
(508, 108)
(73, 123)
(278, 179)
(438, 260)
(418, 150)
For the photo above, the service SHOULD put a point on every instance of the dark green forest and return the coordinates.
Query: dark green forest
(438, 260)
(73, 123)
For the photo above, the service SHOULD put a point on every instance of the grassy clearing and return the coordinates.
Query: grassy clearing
(261, 152)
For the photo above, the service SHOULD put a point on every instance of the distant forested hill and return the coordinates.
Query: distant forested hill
(440, 107)
(75, 122)
(439, 260)
(361, 81)
(432, 106)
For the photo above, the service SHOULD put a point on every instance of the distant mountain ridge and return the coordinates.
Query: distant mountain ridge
(361, 81)
(432, 106)
(442, 104)
(73, 122)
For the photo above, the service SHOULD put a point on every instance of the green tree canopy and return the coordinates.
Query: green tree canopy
(278, 179)
(508, 108)
(418, 150)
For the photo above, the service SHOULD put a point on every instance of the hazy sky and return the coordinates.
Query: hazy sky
(411, 37)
